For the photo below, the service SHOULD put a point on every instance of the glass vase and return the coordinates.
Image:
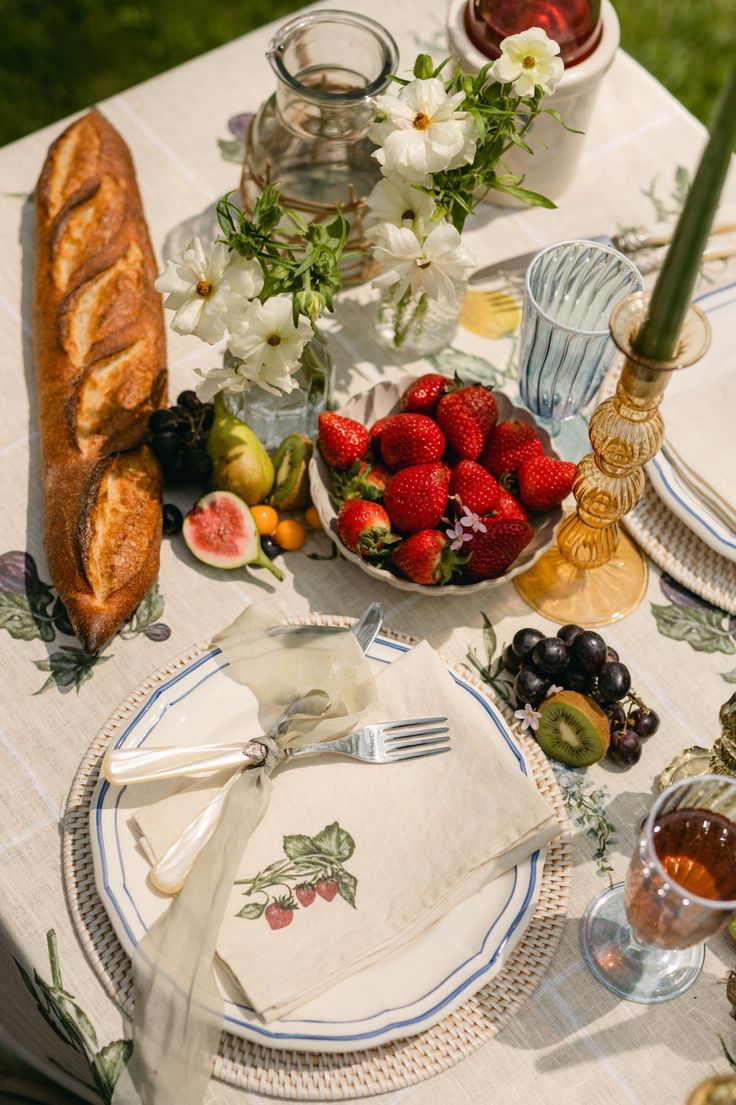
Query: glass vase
(417, 324)
(274, 417)
(310, 136)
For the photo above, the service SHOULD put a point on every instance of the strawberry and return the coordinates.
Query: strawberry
(280, 913)
(466, 416)
(327, 889)
(426, 557)
(545, 482)
(376, 432)
(305, 894)
(423, 395)
(341, 440)
(508, 445)
(475, 488)
(416, 498)
(491, 553)
(409, 439)
(365, 528)
(509, 507)
(362, 480)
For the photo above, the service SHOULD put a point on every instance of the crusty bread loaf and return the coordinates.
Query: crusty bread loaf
(100, 353)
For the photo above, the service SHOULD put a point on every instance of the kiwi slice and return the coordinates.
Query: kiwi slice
(290, 489)
(573, 729)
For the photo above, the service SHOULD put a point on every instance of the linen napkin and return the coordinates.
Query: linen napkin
(353, 860)
(700, 442)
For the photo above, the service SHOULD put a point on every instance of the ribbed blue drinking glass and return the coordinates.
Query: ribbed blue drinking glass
(566, 345)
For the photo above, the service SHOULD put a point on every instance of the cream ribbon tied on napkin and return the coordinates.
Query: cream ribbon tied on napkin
(415, 840)
(178, 1007)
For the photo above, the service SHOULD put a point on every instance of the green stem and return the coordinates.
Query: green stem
(54, 959)
(660, 333)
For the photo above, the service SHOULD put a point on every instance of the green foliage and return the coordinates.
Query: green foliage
(304, 266)
(704, 628)
(58, 58)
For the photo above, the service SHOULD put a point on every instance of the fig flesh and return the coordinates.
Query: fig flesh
(221, 531)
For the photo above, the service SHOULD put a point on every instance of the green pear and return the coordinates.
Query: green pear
(239, 462)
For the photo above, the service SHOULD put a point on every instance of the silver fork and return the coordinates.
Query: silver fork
(387, 742)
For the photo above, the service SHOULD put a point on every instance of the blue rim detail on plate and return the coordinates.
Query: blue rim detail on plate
(337, 1038)
(664, 476)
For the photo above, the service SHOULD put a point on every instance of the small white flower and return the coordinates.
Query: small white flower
(458, 536)
(430, 266)
(207, 288)
(269, 344)
(220, 379)
(423, 131)
(399, 205)
(472, 521)
(529, 718)
(554, 689)
(528, 61)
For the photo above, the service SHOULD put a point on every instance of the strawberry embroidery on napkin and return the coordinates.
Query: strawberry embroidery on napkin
(313, 868)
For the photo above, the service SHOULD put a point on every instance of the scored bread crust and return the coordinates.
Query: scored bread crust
(100, 355)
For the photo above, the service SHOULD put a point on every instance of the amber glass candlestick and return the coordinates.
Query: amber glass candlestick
(595, 574)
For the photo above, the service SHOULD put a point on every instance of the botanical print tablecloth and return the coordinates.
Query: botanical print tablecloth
(575, 1042)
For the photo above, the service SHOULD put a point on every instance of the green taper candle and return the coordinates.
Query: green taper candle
(660, 332)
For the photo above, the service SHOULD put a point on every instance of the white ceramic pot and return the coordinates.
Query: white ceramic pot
(556, 151)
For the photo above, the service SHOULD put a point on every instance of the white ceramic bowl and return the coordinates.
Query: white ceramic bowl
(381, 400)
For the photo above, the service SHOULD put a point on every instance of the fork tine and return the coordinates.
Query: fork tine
(416, 754)
(420, 743)
(397, 738)
(389, 726)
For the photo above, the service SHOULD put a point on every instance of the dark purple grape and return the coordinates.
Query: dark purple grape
(172, 520)
(511, 661)
(189, 400)
(646, 723)
(18, 573)
(589, 650)
(530, 687)
(616, 715)
(568, 633)
(208, 416)
(158, 632)
(196, 466)
(162, 421)
(625, 747)
(270, 547)
(611, 654)
(166, 447)
(61, 619)
(551, 655)
(525, 640)
(614, 682)
(173, 468)
(573, 679)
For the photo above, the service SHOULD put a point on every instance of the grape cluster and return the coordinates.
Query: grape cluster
(579, 660)
(179, 439)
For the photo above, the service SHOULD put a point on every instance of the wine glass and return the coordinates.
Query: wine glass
(643, 939)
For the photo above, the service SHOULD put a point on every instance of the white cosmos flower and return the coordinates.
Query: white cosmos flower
(423, 131)
(207, 288)
(528, 61)
(221, 379)
(399, 204)
(268, 343)
(430, 266)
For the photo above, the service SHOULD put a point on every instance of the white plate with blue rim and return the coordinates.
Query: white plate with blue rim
(717, 303)
(403, 995)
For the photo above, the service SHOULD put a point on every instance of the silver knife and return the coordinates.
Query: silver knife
(124, 766)
(512, 266)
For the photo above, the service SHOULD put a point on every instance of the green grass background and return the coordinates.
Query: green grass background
(57, 56)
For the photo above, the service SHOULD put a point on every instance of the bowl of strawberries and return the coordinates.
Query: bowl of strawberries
(435, 486)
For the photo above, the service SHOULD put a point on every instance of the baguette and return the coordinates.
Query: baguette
(100, 356)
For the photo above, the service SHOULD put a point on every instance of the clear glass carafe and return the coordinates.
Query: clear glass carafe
(310, 136)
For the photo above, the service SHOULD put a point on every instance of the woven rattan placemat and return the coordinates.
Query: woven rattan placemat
(333, 1077)
(681, 553)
